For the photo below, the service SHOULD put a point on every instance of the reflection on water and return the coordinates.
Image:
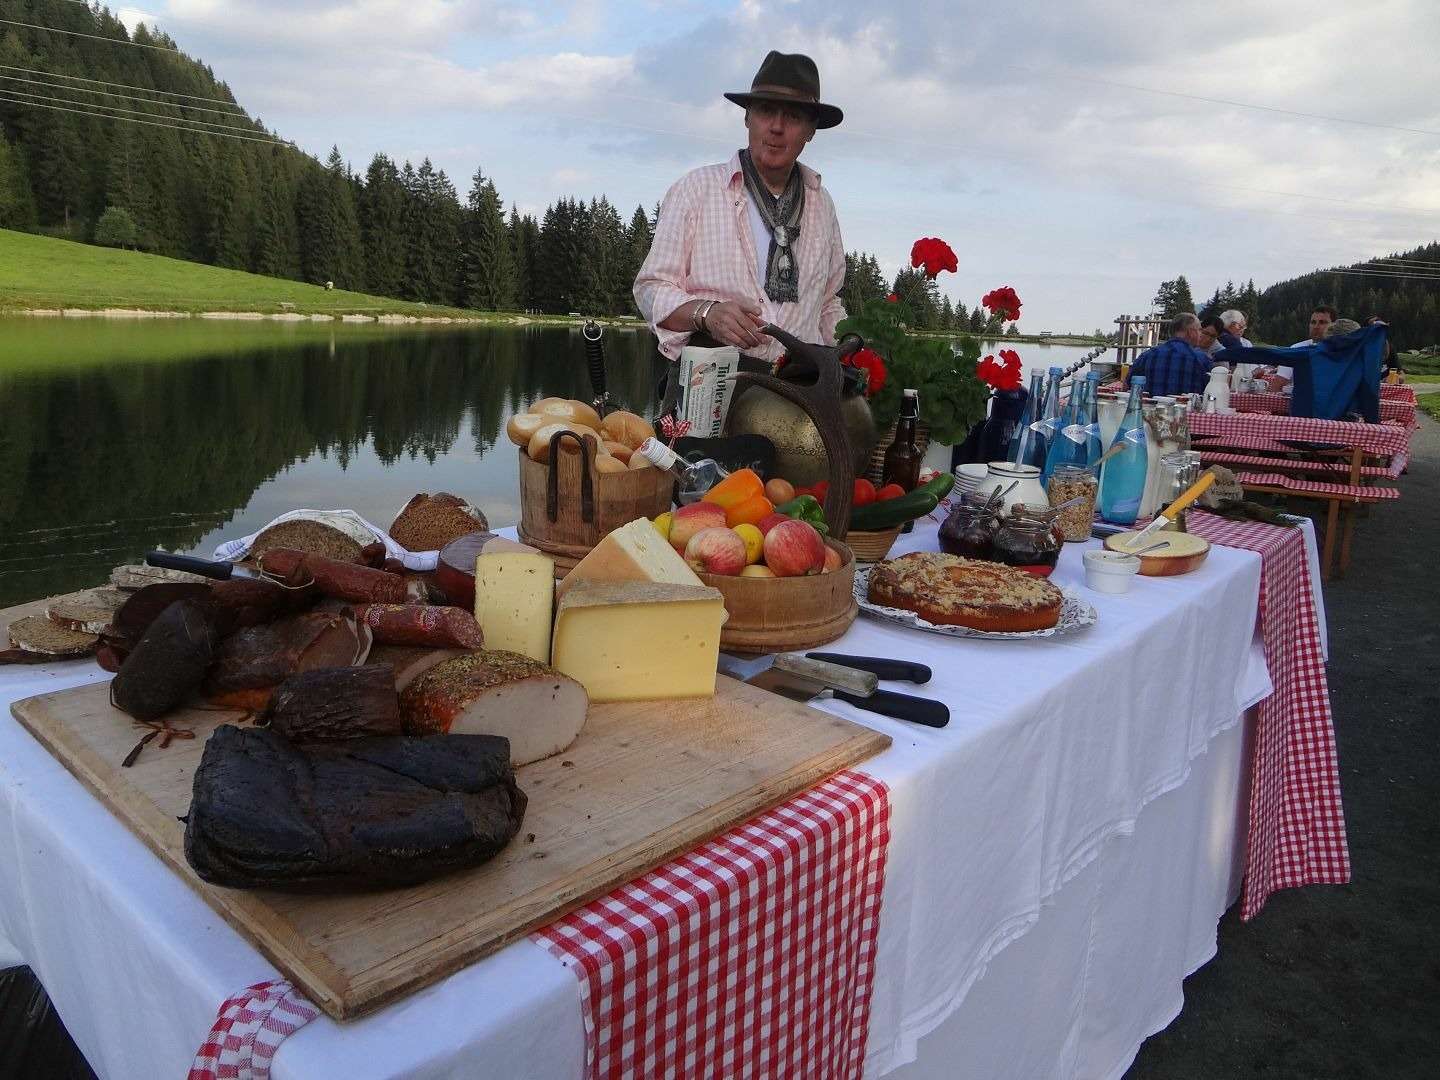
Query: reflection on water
(116, 438)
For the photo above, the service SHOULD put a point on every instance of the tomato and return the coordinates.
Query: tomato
(889, 491)
(802, 491)
(864, 492)
(819, 490)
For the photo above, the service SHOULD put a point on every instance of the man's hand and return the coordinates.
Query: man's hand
(735, 324)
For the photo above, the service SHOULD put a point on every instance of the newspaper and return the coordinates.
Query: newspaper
(707, 379)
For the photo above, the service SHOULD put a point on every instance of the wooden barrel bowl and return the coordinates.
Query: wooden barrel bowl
(1161, 563)
(786, 614)
(566, 507)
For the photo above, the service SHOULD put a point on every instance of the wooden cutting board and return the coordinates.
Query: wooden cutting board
(644, 782)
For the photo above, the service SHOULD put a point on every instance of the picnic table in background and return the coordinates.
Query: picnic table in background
(1393, 408)
(1283, 455)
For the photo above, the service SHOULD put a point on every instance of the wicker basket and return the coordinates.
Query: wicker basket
(872, 546)
(875, 470)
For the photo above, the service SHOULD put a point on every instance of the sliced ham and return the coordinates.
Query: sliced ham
(410, 662)
(492, 692)
(251, 662)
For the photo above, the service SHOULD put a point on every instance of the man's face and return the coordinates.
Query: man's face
(1319, 322)
(777, 134)
(1236, 328)
(1208, 336)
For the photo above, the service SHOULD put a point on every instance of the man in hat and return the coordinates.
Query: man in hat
(755, 240)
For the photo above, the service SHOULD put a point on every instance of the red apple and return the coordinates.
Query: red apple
(769, 521)
(691, 519)
(832, 560)
(716, 551)
(793, 549)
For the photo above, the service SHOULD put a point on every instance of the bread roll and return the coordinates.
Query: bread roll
(639, 461)
(522, 426)
(626, 427)
(617, 449)
(539, 449)
(604, 463)
(571, 412)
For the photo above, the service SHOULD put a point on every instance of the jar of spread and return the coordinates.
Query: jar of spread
(1074, 482)
(969, 530)
(1027, 542)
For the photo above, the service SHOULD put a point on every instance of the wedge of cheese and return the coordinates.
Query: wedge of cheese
(634, 552)
(514, 599)
(636, 641)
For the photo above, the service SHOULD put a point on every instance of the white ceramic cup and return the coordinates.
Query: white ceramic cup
(1110, 571)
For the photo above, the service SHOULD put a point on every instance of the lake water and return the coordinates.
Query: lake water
(121, 436)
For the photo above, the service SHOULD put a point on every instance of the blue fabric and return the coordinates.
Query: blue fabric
(1174, 367)
(1334, 377)
(1230, 341)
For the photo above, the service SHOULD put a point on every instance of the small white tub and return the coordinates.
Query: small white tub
(1110, 571)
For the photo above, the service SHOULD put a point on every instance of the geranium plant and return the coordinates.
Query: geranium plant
(953, 392)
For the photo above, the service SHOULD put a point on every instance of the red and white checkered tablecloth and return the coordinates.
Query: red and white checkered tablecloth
(751, 956)
(249, 1029)
(1397, 410)
(1297, 822)
(1236, 429)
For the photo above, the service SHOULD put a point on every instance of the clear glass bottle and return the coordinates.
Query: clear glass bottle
(1047, 419)
(692, 479)
(1122, 478)
(903, 456)
(1068, 445)
(1025, 445)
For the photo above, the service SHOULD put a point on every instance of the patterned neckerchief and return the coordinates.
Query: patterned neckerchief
(781, 214)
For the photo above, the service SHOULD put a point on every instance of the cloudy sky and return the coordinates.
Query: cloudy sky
(1080, 151)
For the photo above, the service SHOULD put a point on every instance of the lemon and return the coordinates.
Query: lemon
(662, 524)
(754, 542)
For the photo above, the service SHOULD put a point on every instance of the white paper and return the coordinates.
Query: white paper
(348, 522)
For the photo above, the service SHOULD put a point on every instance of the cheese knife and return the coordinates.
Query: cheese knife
(1193, 492)
(802, 678)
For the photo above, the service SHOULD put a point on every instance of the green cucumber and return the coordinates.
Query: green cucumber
(888, 513)
(939, 485)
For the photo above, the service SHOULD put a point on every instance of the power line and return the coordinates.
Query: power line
(202, 124)
(130, 97)
(148, 123)
(93, 37)
(1383, 274)
(122, 86)
(1239, 104)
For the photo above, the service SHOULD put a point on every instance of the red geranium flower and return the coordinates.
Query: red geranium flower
(1003, 301)
(892, 299)
(873, 365)
(1000, 376)
(934, 254)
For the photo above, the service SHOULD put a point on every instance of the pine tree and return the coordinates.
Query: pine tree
(17, 205)
(487, 266)
(115, 228)
(382, 224)
(1173, 298)
(638, 238)
(524, 248)
(947, 314)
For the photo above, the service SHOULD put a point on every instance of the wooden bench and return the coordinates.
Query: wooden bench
(1330, 468)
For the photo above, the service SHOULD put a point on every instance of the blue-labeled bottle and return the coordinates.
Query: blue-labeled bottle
(1068, 445)
(1093, 447)
(1122, 478)
(1025, 444)
(1047, 420)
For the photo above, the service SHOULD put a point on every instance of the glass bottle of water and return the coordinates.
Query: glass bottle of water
(1122, 478)
(1093, 447)
(1047, 421)
(1068, 445)
(1025, 444)
(692, 480)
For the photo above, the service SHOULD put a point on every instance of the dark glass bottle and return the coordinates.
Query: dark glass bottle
(902, 458)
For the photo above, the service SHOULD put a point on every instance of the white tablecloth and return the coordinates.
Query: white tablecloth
(1054, 750)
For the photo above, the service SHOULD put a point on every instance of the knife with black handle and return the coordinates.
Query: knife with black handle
(903, 670)
(221, 571)
(917, 710)
(594, 334)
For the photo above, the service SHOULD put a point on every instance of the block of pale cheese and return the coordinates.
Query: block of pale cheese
(514, 600)
(634, 641)
(633, 552)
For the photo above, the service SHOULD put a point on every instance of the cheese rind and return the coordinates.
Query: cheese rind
(514, 601)
(633, 552)
(636, 641)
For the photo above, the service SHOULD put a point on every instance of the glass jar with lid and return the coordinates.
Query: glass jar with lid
(1028, 542)
(1074, 482)
(969, 529)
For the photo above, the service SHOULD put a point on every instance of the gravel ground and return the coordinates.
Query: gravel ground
(1344, 982)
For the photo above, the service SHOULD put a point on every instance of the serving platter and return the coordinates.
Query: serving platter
(1075, 614)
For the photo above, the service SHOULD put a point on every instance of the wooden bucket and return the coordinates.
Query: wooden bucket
(790, 613)
(566, 507)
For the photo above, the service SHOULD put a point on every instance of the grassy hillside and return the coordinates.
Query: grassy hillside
(41, 272)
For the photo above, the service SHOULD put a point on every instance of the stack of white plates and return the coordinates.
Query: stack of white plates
(967, 479)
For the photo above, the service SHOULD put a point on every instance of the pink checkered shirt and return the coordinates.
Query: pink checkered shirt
(703, 250)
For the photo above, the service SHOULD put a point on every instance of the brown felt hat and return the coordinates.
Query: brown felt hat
(791, 79)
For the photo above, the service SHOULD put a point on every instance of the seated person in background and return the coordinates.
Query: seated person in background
(1177, 366)
(1234, 337)
(1390, 365)
(1338, 327)
(1320, 318)
(1210, 330)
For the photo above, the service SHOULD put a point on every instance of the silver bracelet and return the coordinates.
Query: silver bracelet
(702, 310)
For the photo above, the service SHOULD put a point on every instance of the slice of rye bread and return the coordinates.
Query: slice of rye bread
(137, 576)
(37, 634)
(88, 611)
